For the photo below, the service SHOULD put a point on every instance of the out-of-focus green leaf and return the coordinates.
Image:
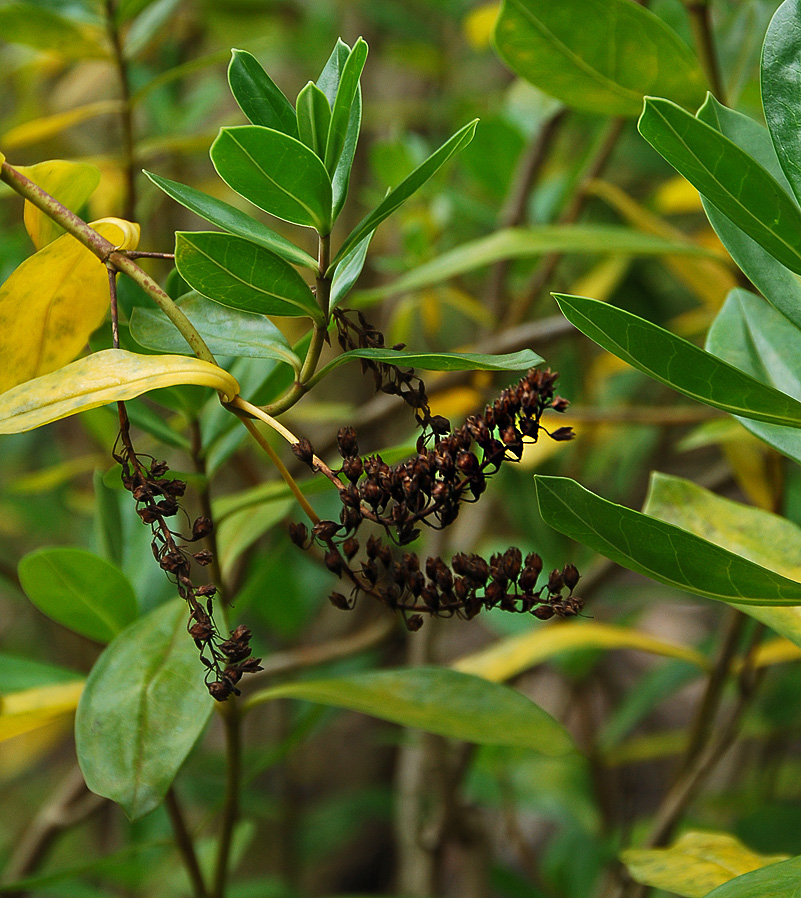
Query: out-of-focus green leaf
(142, 710)
(80, 590)
(43, 29)
(227, 332)
(242, 275)
(774, 881)
(439, 701)
(348, 270)
(18, 673)
(695, 864)
(48, 126)
(347, 90)
(741, 188)
(405, 189)
(275, 172)
(658, 549)
(678, 363)
(520, 243)
(755, 338)
(314, 118)
(776, 283)
(606, 65)
(147, 25)
(239, 530)
(258, 96)
(233, 220)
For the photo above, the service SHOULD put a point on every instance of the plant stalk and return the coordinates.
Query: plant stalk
(186, 848)
(232, 719)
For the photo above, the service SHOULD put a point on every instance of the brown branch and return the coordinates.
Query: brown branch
(184, 844)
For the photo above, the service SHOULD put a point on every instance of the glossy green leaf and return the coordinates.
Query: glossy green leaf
(606, 66)
(406, 188)
(18, 673)
(659, 550)
(766, 539)
(781, 88)
(143, 708)
(242, 275)
(314, 118)
(751, 335)
(233, 220)
(438, 701)
(678, 363)
(521, 243)
(741, 188)
(52, 33)
(775, 881)
(348, 270)
(275, 172)
(80, 590)
(695, 864)
(776, 282)
(227, 332)
(347, 90)
(258, 96)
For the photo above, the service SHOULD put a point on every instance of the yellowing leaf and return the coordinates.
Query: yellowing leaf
(2, 158)
(21, 753)
(71, 183)
(509, 657)
(107, 376)
(677, 197)
(775, 651)
(478, 24)
(696, 864)
(22, 712)
(50, 125)
(53, 301)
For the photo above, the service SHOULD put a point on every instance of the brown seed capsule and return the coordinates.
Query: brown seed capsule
(202, 527)
(414, 623)
(571, 576)
(339, 601)
(303, 450)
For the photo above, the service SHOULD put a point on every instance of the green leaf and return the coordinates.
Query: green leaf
(776, 283)
(52, 33)
(240, 529)
(781, 88)
(242, 275)
(143, 708)
(18, 673)
(80, 590)
(775, 881)
(695, 864)
(233, 220)
(405, 189)
(347, 90)
(275, 172)
(678, 363)
(624, 52)
(348, 270)
(258, 96)
(755, 338)
(147, 25)
(438, 701)
(314, 118)
(521, 243)
(766, 539)
(659, 550)
(740, 188)
(226, 331)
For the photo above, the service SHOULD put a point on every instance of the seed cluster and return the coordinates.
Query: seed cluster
(156, 496)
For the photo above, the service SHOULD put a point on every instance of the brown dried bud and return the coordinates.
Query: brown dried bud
(414, 623)
(339, 601)
(555, 582)
(350, 547)
(333, 561)
(562, 434)
(202, 527)
(303, 450)
(571, 576)
(347, 442)
(203, 557)
(299, 534)
(219, 690)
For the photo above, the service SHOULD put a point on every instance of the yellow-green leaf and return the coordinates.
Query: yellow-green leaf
(53, 301)
(694, 865)
(71, 183)
(49, 126)
(509, 657)
(22, 712)
(107, 376)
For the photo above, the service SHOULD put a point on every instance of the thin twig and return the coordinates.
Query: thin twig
(126, 113)
(701, 23)
(232, 719)
(184, 844)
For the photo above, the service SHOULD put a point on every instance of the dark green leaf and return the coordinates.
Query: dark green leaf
(740, 188)
(233, 220)
(242, 275)
(406, 188)
(275, 172)
(341, 111)
(678, 363)
(657, 549)
(258, 96)
(605, 66)
(520, 243)
(18, 673)
(755, 338)
(79, 590)
(314, 118)
(142, 710)
(781, 88)
(776, 283)
(227, 332)
(437, 700)
(348, 270)
(776, 881)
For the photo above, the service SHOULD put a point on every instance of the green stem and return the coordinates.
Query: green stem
(232, 719)
(107, 253)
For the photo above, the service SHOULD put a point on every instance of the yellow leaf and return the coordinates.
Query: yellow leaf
(71, 183)
(603, 279)
(103, 377)
(22, 752)
(509, 657)
(2, 158)
(478, 24)
(677, 196)
(30, 709)
(53, 301)
(696, 864)
(775, 651)
(50, 125)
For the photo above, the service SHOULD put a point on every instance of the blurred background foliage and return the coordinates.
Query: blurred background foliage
(335, 803)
